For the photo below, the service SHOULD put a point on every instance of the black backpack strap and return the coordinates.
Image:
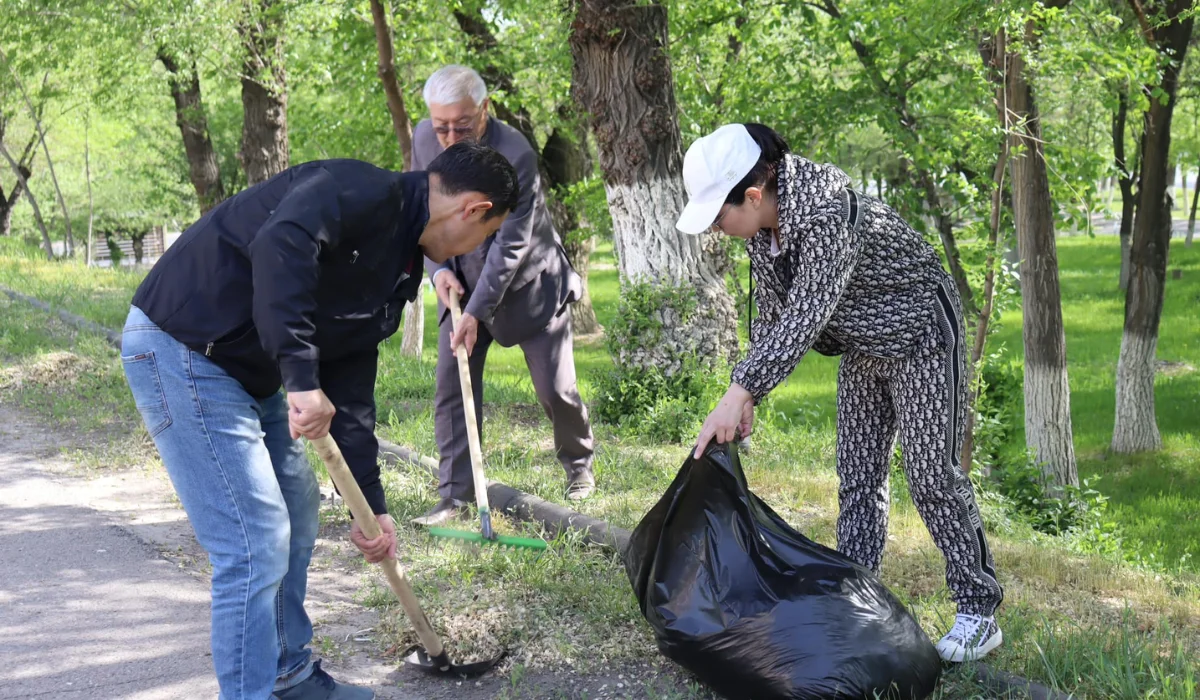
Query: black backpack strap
(852, 209)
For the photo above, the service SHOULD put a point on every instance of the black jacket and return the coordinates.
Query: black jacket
(295, 282)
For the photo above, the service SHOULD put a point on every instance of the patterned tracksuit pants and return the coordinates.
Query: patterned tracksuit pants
(923, 396)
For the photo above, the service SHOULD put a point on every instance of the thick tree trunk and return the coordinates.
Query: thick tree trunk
(192, 121)
(622, 79)
(1136, 427)
(20, 172)
(1192, 216)
(1125, 178)
(391, 86)
(264, 151)
(1047, 393)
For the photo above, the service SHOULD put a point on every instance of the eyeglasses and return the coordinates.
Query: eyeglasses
(715, 227)
(458, 130)
(468, 130)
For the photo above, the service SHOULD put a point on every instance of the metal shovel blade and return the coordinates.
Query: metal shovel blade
(417, 657)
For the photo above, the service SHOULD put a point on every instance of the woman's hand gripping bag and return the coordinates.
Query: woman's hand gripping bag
(758, 611)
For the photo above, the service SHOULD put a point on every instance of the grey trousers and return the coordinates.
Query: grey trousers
(550, 357)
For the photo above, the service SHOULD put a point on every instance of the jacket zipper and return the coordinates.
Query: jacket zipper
(208, 350)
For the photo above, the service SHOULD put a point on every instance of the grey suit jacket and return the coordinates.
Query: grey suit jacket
(519, 278)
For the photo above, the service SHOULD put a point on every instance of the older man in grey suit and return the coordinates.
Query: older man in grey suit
(518, 285)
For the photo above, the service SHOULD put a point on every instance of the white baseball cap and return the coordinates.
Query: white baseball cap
(712, 166)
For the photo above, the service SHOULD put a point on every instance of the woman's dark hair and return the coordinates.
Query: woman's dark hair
(764, 172)
(471, 167)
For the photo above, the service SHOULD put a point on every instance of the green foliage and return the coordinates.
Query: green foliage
(588, 198)
(649, 401)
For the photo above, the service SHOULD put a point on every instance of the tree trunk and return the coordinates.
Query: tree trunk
(412, 342)
(7, 204)
(1047, 393)
(1136, 428)
(1125, 179)
(992, 50)
(192, 120)
(37, 211)
(1192, 216)
(413, 339)
(264, 151)
(391, 86)
(138, 243)
(622, 79)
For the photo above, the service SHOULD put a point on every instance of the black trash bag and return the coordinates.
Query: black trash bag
(757, 610)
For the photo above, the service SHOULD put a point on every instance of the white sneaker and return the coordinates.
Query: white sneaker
(971, 638)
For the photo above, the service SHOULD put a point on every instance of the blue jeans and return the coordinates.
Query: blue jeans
(251, 497)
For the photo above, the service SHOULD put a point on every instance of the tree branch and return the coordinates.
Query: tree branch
(401, 123)
(1140, 11)
(37, 212)
(37, 123)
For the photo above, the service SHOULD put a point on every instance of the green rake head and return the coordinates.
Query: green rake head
(505, 540)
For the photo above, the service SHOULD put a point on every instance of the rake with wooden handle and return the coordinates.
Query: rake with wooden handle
(431, 655)
(486, 534)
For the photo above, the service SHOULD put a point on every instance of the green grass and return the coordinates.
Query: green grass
(1087, 624)
(1154, 497)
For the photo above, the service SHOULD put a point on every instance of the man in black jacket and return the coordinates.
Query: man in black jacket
(293, 282)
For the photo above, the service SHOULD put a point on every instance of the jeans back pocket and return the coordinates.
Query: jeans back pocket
(141, 371)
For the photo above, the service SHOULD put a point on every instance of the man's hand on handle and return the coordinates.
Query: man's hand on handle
(468, 326)
(443, 281)
(309, 414)
(380, 548)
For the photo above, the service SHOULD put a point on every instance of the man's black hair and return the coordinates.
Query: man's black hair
(470, 167)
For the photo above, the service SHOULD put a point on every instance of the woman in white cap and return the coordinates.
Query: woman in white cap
(842, 273)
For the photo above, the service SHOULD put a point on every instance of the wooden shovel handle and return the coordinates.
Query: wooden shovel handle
(346, 485)
(468, 394)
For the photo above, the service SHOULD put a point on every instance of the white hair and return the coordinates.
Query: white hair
(454, 83)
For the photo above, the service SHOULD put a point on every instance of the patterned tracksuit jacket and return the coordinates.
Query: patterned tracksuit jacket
(849, 277)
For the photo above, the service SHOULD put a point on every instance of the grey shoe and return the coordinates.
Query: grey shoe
(581, 485)
(446, 509)
(321, 686)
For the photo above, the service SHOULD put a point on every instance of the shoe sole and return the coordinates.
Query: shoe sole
(961, 654)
